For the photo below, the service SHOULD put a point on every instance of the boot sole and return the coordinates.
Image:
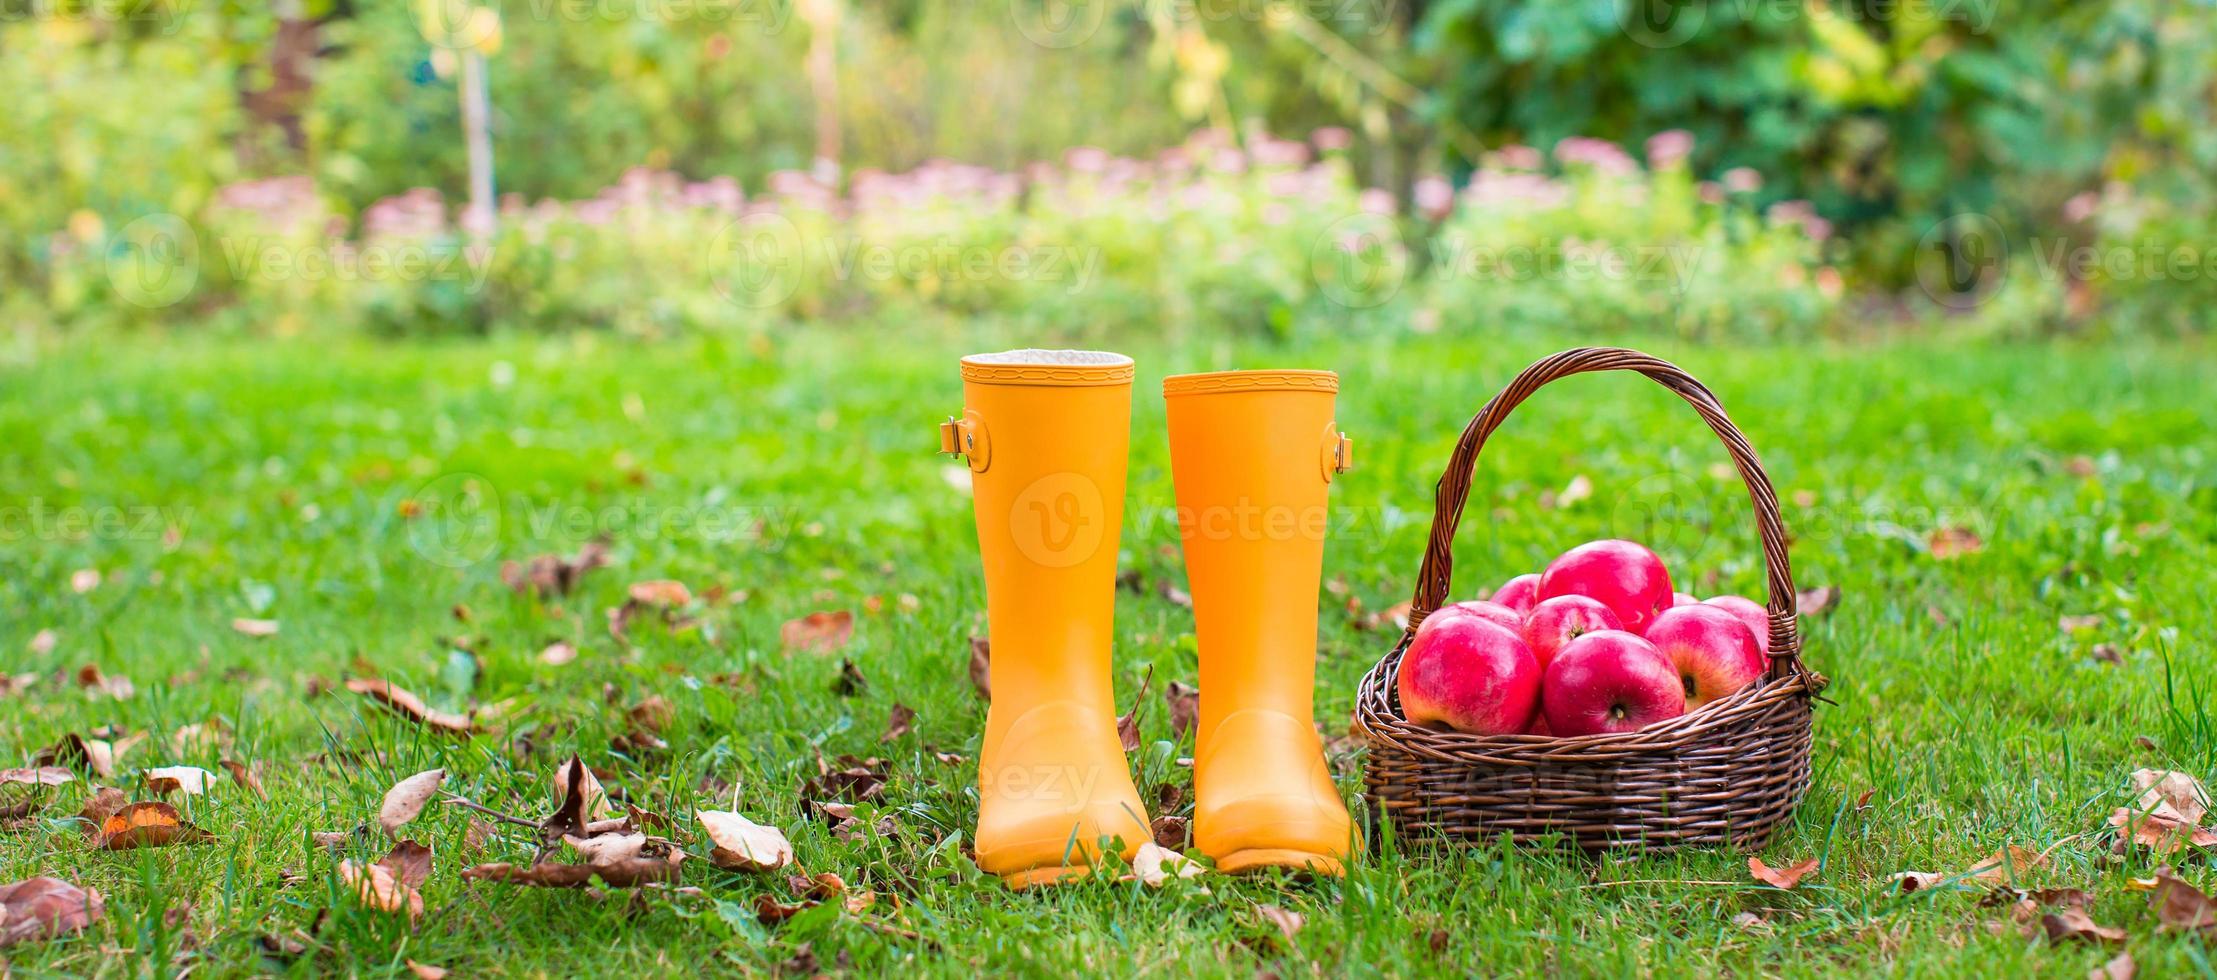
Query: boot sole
(1263, 858)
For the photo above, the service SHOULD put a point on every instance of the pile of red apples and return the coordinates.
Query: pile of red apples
(1597, 643)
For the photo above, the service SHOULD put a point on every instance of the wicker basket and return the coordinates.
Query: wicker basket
(1729, 773)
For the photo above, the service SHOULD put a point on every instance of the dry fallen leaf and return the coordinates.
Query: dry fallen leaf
(255, 627)
(407, 798)
(1579, 488)
(1818, 601)
(245, 775)
(1786, 877)
(818, 632)
(898, 722)
(148, 824)
(981, 674)
(1914, 881)
(1184, 701)
(2161, 834)
(1171, 833)
(1174, 595)
(2011, 860)
(1154, 865)
(94, 755)
(405, 704)
(42, 643)
(629, 873)
(743, 844)
(660, 594)
(425, 971)
(2179, 905)
(104, 803)
(1953, 542)
(89, 678)
(2119, 967)
(42, 908)
(1288, 922)
(37, 776)
(392, 884)
(189, 780)
(557, 653)
(2073, 624)
(2174, 795)
(2076, 924)
(578, 796)
(850, 681)
(554, 575)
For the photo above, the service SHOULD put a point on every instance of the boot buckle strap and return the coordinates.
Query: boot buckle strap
(966, 437)
(1339, 452)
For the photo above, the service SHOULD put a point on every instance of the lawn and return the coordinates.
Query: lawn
(312, 483)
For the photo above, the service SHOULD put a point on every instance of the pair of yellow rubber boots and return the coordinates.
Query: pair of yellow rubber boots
(1046, 434)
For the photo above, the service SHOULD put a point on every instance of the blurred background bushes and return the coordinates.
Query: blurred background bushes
(1859, 135)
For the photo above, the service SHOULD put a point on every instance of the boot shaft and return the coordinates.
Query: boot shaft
(1252, 455)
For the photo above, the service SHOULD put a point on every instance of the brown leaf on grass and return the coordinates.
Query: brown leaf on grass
(407, 705)
(2073, 624)
(742, 844)
(394, 883)
(579, 800)
(245, 775)
(425, 971)
(407, 798)
(148, 824)
(2161, 834)
(1916, 881)
(2181, 906)
(818, 632)
(769, 911)
(2076, 924)
(854, 780)
(104, 803)
(660, 594)
(1786, 877)
(1184, 701)
(2011, 860)
(89, 678)
(36, 776)
(850, 681)
(1154, 865)
(43, 908)
(1174, 595)
(42, 643)
(554, 575)
(1395, 616)
(1288, 922)
(94, 755)
(1127, 724)
(2170, 794)
(898, 722)
(189, 780)
(1818, 601)
(257, 628)
(654, 714)
(660, 864)
(981, 674)
(557, 653)
(2119, 967)
(2107, 653)
(1170, 832)
(1953, 542)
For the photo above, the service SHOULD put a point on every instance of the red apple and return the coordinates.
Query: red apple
(1715, 654)
(1678, 599)
(1749, 611)
(1489, 611)
(1471, 674)
(1626, 577)
(1519, 593)
(1610, 681)
(1555, 622)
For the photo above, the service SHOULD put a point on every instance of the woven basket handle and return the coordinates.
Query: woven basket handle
(1436, 579)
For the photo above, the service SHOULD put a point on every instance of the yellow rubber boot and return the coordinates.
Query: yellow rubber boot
(1252, 453)
(1046, 434)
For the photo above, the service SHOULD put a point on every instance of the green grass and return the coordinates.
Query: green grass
(284, 467)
